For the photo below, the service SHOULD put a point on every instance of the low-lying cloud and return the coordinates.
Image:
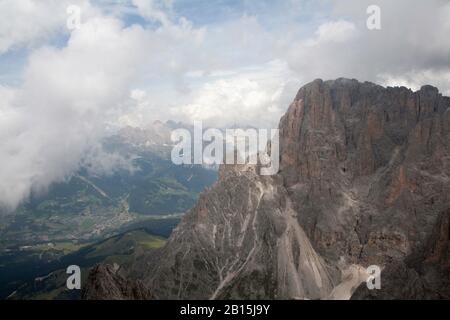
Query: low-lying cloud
(61, 112)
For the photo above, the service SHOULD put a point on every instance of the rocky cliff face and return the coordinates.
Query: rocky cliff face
(364, 177)
(425, 274)
(106, 282)
(368, 166)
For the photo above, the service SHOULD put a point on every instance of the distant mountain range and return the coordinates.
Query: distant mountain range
(364, 180)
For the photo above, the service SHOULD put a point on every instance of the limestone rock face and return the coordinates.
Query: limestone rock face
(364, 177)
(425, 274)
(366, 167)
(242, 240)
(105, 282)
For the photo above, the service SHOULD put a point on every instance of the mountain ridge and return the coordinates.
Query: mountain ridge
(363, 177)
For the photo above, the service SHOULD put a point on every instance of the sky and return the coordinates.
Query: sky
(224, 62)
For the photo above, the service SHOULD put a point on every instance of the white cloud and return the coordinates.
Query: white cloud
(335, 31)
(62, 110)
(412, 40)
(30, 23)
(416, 79)
(154, 10)
(26, 22)
(256, 97)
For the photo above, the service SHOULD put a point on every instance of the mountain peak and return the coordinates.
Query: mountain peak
(364, 174)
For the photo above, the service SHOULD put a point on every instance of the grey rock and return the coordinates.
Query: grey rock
(423, 275)
(364, 175)
(105, 282)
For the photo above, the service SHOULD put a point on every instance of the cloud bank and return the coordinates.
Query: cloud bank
(227, 64)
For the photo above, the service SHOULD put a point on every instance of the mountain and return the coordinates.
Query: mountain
(364, 180)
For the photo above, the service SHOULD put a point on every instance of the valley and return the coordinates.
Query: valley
(61, 224)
